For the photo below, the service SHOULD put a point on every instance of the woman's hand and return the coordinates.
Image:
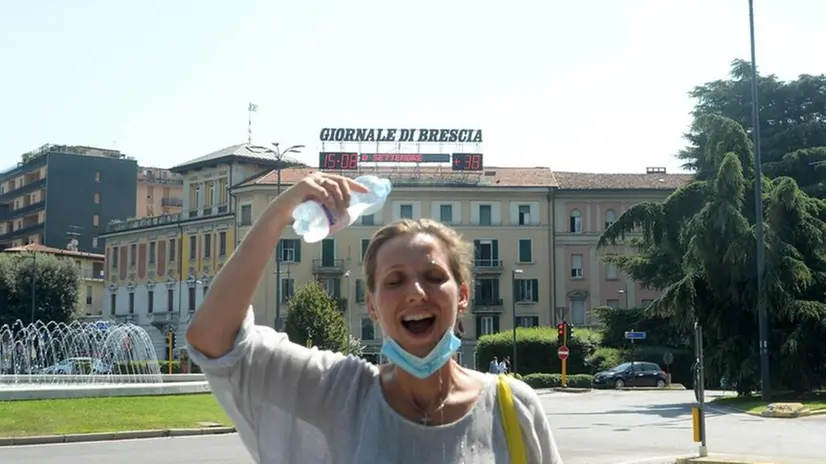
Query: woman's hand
(329, 189)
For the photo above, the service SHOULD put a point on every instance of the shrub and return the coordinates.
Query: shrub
(536, 349)
(540, 380)
(605, 358)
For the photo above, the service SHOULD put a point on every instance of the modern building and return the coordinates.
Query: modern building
(59, 194)
(90, 292)
(505, 212)
(158, 268)
(585, 204)
(160, 191)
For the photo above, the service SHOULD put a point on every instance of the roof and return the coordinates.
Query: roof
(595, 181)
(37, 248)
(490, 177)
(239, 152)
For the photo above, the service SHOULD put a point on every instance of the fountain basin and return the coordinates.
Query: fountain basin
(47, 387)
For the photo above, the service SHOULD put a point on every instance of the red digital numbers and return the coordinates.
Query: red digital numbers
(474, 162)
(350, 161)
(337, 161)
(467, 162)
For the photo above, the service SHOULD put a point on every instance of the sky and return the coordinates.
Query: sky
(591, 85)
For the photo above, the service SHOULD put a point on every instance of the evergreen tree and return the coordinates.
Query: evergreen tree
(314, 316)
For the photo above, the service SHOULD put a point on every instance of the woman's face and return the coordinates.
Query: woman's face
(416, 298)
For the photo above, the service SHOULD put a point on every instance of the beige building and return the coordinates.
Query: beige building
(160, 191)
(505, 212)
(91, 290)
(584, 205)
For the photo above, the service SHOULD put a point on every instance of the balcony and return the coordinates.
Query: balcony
(28, 230)
(120, 226)
(488, 305)
(172, 202)
(88, 274)
(163, 317)
(30, 208)
(28, 188)
(488, 266)
(328, 266)
(126, 318)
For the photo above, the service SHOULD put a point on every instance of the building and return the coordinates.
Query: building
(158, 268)
(505, 212)
(160, 192)
(59, 193)
(584, 205)
(90, 290)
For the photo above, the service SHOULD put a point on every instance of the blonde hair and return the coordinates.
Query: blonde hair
(460, 253)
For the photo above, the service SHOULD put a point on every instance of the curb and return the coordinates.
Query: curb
(711, 460)
(672, 387)
(571, 389)
(108, 436)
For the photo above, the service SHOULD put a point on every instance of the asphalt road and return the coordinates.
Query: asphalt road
(604, 427)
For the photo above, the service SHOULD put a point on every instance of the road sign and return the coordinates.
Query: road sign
(636, 335)
(668, 358)
(563, 352)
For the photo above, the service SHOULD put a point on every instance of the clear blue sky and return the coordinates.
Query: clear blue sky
(591, 85)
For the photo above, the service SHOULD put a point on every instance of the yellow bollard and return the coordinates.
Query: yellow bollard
(695, 423)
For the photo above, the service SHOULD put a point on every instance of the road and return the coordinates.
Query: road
(603, 427)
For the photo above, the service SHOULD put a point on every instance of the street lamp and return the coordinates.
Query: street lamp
(279, 157)
(34, 283)
(624, 291)
(513, 286)
(762, 316)
(349, 298)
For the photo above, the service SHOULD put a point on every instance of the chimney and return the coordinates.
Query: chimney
(655, 170)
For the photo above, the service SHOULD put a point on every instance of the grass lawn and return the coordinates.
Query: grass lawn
(86, 415)
(814, 401)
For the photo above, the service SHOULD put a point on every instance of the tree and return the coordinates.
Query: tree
(792, 124)
(313, 315)
(55, 287)
(698, 247)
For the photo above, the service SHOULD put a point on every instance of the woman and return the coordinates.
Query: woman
(292, 404)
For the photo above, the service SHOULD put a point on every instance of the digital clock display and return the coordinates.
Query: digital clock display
(467, 162)
(338, 161)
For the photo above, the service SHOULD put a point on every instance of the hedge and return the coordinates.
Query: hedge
(536, 349)
(540, 380)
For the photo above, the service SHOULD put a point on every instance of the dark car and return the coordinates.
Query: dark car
(632, 374)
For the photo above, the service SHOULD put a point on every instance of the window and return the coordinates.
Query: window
(97, 198)
(97, 177)
(365, 242)
(527, 290)
(406, 211)
(578, 311)
(131, 302)
(133, 254)
(193, 246)
(113, 299)
(246, 215)
(151, 252)
(368, 220)
(289, 250)
(576, 266)
(89, 294)
(486, 253)
(150, 301)
(170, 299)
(525, 250)
(612, 304)
(360, 294)
(486, 292)
(446, 213)
(610, 271)
(94, 242)
(97, 270)
(332, 286)
(114, 258)
(524, 212)
(192, 298)
(207, 245)
(485, 215)
(610, 217)
(527, 321)
(368, 330)
(287, 288)
(576, 222)
(172, 249)
(328, 252)
(96, 220)
(486, 325)
(646, 302)
(222, 243)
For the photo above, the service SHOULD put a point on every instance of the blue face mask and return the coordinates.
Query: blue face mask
(422, 367)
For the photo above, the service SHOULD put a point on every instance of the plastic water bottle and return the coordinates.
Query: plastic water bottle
(314, 221)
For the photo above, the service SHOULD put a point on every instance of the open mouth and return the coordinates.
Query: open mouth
(419, 325)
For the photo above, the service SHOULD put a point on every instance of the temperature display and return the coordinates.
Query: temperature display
(467, 162)
(338, 161)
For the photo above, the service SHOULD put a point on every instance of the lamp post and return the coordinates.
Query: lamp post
(349, 298)
(762, 313)
(624, 291)
(515, 295)
(279, 157)
(34, 284)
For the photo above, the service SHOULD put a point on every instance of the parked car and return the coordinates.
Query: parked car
(632, 374)
(78, 366)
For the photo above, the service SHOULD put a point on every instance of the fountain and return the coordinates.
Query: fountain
(80, 359)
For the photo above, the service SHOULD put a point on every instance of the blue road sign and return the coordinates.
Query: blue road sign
(636, 335)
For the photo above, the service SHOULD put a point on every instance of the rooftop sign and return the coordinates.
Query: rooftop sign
(334, 134)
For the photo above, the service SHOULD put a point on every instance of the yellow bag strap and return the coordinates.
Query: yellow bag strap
(513, 434)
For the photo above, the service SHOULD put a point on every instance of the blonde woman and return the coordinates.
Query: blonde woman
(297, 405)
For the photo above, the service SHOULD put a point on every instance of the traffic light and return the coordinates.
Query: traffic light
(170, 340)
(569, 334)
(560, 331)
